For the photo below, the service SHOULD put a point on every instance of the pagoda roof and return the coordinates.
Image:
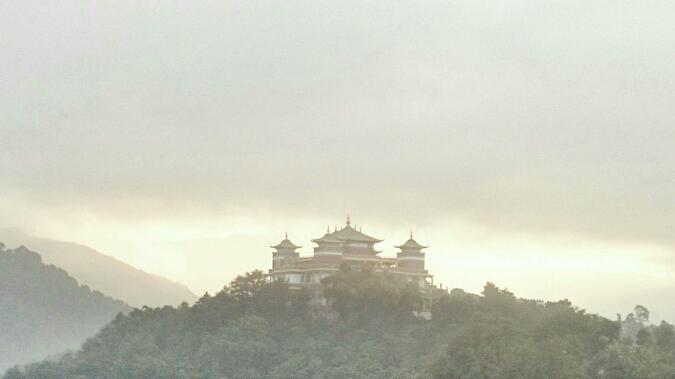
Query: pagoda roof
(327, 238)
(351, 234)
(286, 244)
(411, 244)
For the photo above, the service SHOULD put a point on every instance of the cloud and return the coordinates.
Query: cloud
(521, 116)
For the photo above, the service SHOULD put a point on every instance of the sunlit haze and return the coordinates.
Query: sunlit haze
(531, 144)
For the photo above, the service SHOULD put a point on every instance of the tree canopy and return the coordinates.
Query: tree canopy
(257, 329)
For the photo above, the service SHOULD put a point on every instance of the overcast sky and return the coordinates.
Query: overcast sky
(185, 137)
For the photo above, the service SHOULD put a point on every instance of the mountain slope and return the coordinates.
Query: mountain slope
(43, 310)
(258, 329)
(102, 272)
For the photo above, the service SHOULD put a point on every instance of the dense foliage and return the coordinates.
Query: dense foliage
(44, 311)
(256, 329)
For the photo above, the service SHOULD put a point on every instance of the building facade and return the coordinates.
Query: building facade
(349, 246)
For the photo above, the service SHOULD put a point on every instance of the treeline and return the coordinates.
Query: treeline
(43, 311)
(256, 329)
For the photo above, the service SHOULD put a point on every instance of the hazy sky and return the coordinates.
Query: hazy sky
(528, 142)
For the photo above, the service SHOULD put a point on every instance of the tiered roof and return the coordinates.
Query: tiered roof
(347, 233)
(351, 234)
(286, 244)
(411, 244)
(327, 238)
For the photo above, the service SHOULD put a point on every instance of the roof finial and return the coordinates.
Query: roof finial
(411, 234)
(286, 235)
(348, 221)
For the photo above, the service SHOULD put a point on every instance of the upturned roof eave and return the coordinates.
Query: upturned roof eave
(350, 234)
(285, 244)
(411, 244)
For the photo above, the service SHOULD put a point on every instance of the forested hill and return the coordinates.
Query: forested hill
(43, 311)
(255, 329)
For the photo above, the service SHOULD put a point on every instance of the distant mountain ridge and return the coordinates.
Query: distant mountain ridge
(102, 272)
(44, 311)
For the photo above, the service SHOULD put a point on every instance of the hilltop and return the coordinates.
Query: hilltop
(257, 329)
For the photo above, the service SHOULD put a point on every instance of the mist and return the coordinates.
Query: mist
(184, 139)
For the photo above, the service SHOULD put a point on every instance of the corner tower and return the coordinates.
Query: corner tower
(411, 256)
(285, 253)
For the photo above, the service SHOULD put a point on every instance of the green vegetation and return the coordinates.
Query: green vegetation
(43, 311)
(256, 329)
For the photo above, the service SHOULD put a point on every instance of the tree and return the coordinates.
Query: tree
(14, 372)
(664, 337)
(364, 295)
(641, 314)
(248, 285)
(643, 337)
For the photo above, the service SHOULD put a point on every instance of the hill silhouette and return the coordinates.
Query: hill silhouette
(257, 329)
(102, 272)
(44, 311)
